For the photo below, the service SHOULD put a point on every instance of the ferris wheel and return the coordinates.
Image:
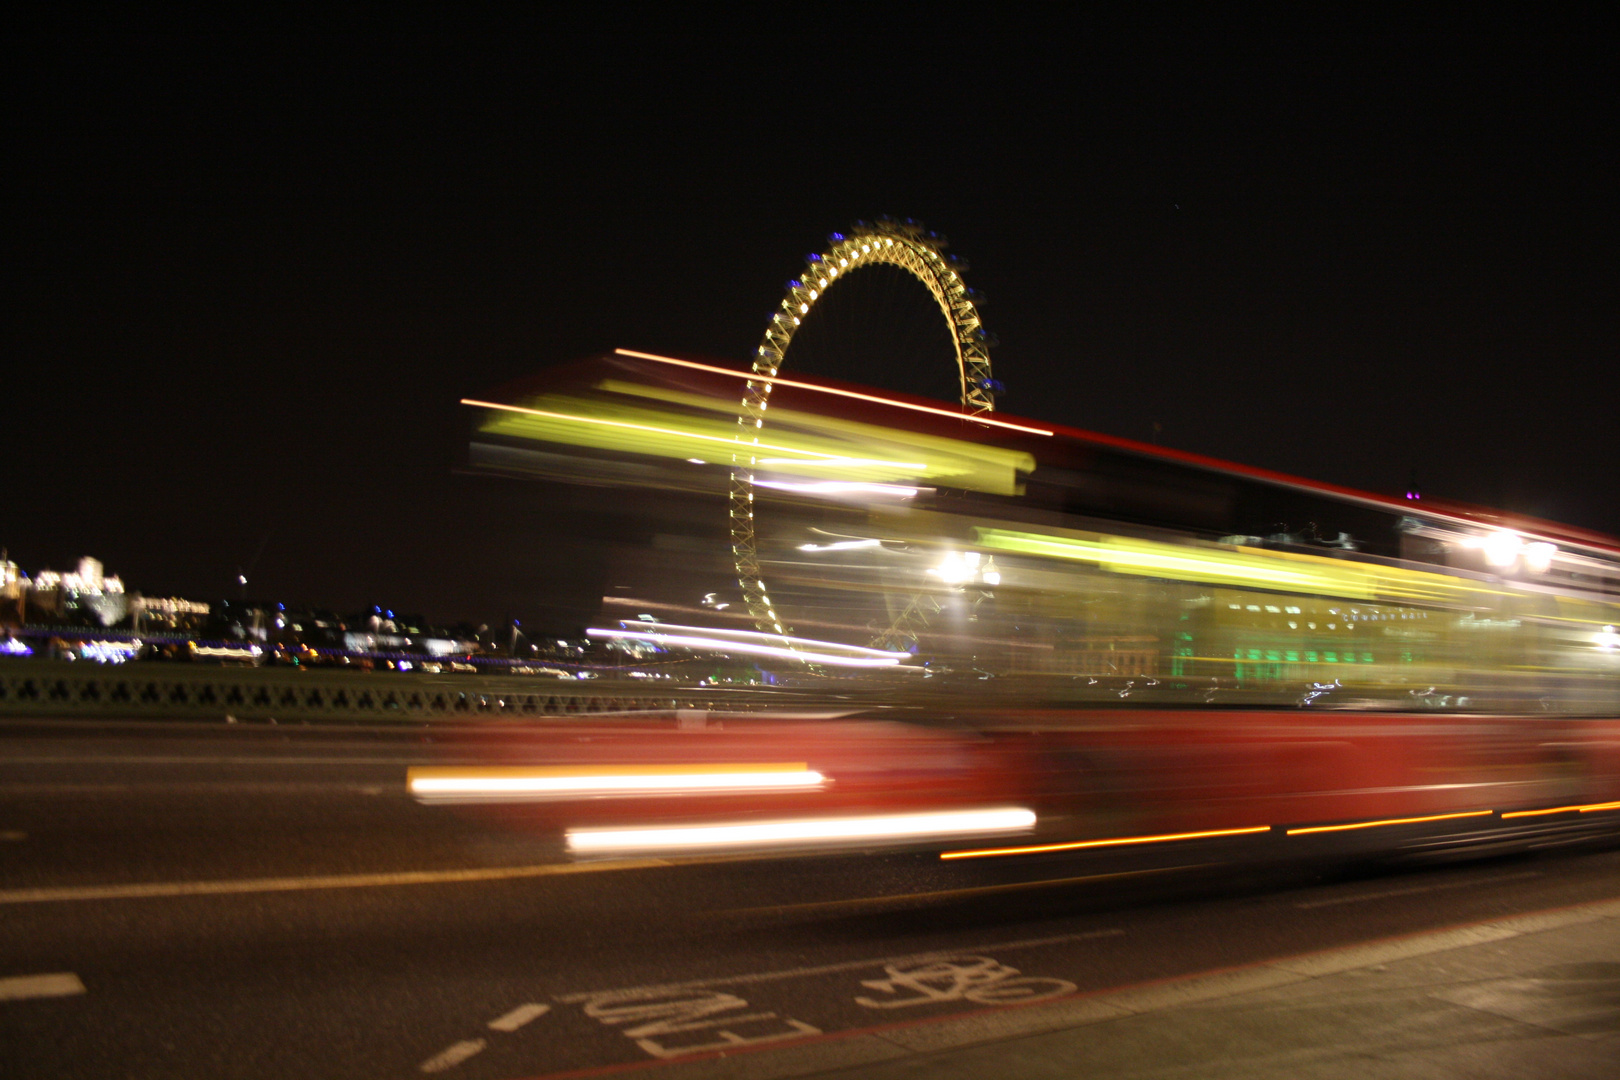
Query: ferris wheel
(905, 245)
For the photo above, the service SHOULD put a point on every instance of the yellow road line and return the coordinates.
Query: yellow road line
(300, 884)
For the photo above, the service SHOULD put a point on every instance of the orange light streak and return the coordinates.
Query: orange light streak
(1390, 821)
(1584, 809)
(1074, 845)
(755, 377)
(1542, 813)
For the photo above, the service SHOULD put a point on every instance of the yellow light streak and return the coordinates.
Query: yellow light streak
(1117, 842)
(1387, 821)
(727, 440)
(891, 827)
(1278, 571)
(973, 465)
(754, 376)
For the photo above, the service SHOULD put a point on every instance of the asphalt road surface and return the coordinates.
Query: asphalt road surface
(246, 901)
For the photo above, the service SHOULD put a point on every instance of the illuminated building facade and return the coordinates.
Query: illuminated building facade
(88, 594)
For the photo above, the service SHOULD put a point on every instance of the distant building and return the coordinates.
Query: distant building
(88, 594)
(151, 613)
(13, 593)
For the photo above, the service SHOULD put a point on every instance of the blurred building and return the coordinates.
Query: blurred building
(86, 595)
(13, 593)
(171, 613)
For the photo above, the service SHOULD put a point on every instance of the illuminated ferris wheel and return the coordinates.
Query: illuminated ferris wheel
(907, 246)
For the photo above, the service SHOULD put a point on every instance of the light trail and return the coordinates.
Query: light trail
(751, 648)
(1584, 809)
(725, 440)
(804, 830)
(756, 635)
(447, 784)
(1117, 842)
(751, 376)
(841, 487)
(1387, 821)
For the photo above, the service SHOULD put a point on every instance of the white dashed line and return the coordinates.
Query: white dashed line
(519, 1016)
(23, 987)
(452, 1056)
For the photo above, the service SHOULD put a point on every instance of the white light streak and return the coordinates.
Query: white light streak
(755, 635)
(919, 465)
(563, 783)
(932, 825)
(842, 545)
(716, 644)
(841, 487)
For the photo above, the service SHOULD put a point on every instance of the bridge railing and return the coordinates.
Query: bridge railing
(45, 688)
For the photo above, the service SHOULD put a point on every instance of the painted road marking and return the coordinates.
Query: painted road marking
(35, 789)
(958, 978)
(456, 1053)
(298, 884)
(452, 1056)
(519, 1016)
(23, 987)
(849, 1049)
(1414, 890)
(185, 759)
(691, 1020)
(13, 835)
(850, 965)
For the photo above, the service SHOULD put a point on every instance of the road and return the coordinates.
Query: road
(233, 900)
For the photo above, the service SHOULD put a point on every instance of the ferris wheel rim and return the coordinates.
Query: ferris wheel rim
(903, 244)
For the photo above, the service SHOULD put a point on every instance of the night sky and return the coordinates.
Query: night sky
(247, 280)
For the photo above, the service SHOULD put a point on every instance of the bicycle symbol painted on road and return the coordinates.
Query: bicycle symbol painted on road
(959, 978)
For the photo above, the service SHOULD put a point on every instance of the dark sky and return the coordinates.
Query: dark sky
(247, 280)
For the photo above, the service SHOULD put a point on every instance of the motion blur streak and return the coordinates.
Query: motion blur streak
(695, 642)
(483, 784)
(838, 487)
(1587, 809)
(1077, 844)
(977, 418)
(765, 834)
(1387, 821)
(755, 635)
(1560, 810)
(630, 417)
(838, 459)
(1281, 571)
